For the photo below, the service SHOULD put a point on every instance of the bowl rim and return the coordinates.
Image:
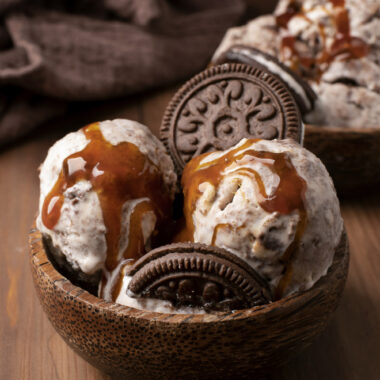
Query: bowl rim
(38, 258)
(342, 129)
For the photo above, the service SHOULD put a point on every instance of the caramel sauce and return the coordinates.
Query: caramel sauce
(283, 19)
(216, 230)
(116, 288)
(338, 3)
(345, 46)
(289, 196)
(290, 52)
(115, 291)
(117, 173)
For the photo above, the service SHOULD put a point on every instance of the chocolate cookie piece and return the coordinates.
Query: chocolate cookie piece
(301, 90)
(223, 104)
(198, 275)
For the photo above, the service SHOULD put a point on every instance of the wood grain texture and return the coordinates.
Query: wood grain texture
(31, 349)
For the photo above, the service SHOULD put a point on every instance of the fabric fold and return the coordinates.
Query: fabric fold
(93, 50)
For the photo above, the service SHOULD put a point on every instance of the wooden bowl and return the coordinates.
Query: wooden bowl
(138, 344)
(351, 156)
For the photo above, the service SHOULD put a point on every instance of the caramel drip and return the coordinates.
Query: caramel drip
(117, 173)
(338, 3)
(222, 226)
(115, 291)
(288, 197)
(283, 19)
(344, 45)
(216, 230)
(135, 242)
(299, 63)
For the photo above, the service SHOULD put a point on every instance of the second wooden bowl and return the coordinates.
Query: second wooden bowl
(351, 156)
(144, 345)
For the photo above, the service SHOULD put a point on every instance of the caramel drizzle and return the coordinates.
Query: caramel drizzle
(216, 230)
(344, 46)
(289, 196)
(117, 173)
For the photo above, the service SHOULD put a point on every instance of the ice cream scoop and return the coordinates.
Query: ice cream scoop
(272, 203)
(333, 44)
(105, 191)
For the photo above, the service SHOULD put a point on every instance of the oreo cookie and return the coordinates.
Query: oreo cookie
(223, 104)
(197, 275)
(301, 90)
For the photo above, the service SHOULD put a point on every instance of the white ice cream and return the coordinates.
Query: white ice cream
(79, 235)
(348, 89)
(230, 216)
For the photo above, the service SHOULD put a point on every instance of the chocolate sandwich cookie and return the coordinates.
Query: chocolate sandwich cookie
(223, 104)
(197, 275)
(301, 90)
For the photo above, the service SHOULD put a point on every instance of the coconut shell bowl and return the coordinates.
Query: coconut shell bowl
(237, 343)
(351, 156)
(123, 341)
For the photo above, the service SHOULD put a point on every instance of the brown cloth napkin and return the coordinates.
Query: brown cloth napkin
(53, 52)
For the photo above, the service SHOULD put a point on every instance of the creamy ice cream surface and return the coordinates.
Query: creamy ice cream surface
(272, 203)
(104, 191)
(334, 44)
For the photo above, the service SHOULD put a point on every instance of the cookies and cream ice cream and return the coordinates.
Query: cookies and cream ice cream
(261, 219)
(334, 45)
(272, 203)
(105, 190)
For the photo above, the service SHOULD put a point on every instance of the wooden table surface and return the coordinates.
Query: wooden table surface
(31, 349)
